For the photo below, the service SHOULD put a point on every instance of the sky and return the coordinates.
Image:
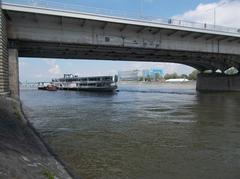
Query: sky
(227, 11)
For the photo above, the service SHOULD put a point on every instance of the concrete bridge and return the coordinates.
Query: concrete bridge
(42, 30)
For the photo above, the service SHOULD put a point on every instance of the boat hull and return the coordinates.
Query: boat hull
(48, 88)
(91, 89)
(42, 88)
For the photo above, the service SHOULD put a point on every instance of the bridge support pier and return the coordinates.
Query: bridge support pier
(218, 82)
(9, 77)
(4, 82)
(13, 73)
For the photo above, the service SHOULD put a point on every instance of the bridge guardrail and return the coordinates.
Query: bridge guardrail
(120, 14)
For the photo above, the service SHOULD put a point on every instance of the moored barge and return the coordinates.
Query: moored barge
(95, 83)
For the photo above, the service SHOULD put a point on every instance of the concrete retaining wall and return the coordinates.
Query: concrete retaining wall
(13, 73)
(4, 82)
(23, 153)
(218, 82)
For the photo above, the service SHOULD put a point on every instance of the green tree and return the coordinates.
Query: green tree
(141, 78)
(167, 76)
(148, 78)
(171, 76)
(158, 76)
(184, 76)
(193, 75)
(175, 75)
(231, 71)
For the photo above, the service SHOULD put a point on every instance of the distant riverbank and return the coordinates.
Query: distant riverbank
(162, 84)
(22, 153)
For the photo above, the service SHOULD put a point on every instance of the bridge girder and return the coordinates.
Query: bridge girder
(200, 61)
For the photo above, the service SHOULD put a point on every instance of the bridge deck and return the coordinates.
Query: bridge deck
(73, 11)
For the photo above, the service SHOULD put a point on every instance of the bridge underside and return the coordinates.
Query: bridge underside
(199, 60)
(46, 33)
(50, 34)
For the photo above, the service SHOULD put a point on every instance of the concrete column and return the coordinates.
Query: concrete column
(13, 73)
(4, 86)
(218, 82)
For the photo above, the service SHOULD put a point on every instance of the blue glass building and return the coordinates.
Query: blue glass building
(152, 72)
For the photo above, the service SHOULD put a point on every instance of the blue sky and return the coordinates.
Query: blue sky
(45, 69)
(159, 8)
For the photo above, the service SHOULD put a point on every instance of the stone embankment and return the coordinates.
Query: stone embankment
(22, 152)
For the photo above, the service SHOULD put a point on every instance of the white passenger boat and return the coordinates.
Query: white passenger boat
(96, 83)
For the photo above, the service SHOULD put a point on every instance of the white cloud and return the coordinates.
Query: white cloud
(54, 70)
(53, 67)
(227, 13)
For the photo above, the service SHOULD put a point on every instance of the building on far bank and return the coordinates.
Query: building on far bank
(153, 73)
(132, 75)
(141, 75)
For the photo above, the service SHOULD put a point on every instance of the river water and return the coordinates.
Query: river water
(147, 131)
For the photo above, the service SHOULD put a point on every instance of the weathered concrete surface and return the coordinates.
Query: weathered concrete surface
(48, 33)
(13, 73)
(218, 82)
(3, 55)
(22, 154)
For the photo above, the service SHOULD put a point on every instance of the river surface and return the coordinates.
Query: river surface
(150, 131)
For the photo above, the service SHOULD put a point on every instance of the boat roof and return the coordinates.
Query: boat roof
(87, 77)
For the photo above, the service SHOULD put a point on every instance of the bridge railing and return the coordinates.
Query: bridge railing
(46, 4)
